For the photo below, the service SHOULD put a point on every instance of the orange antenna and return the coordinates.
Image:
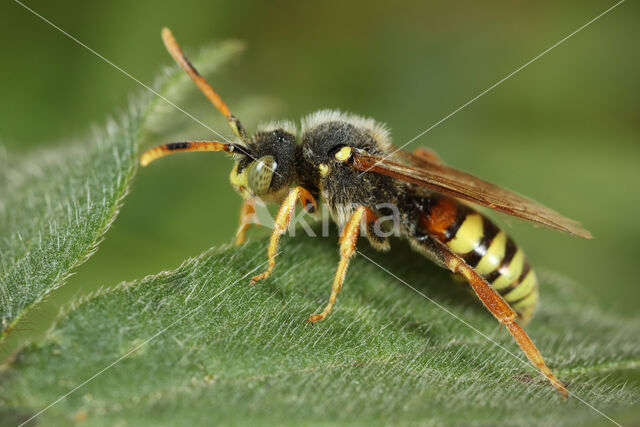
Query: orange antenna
(175, 51)
(181, 147)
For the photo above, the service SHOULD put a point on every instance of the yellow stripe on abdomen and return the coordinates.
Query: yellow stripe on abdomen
(524, 296)
(493, 255)
(524, 288)
(511, 272)
(468, 235)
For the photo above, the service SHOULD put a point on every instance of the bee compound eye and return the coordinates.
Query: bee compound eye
(260, 175)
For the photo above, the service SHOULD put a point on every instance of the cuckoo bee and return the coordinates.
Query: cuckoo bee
(348, 163)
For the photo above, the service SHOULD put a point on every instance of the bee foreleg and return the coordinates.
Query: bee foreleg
(282, 223)
(348, 240)
(500, 310)
(247, 214)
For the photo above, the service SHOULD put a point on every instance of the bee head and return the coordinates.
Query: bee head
(265, 163)
(265, 166)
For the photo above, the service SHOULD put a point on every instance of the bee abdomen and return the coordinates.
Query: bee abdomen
(487, 249)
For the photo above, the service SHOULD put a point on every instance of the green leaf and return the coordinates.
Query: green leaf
(55, 207)
(199, 345)
(56, 204)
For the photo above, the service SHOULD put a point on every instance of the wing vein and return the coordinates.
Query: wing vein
(461, 185)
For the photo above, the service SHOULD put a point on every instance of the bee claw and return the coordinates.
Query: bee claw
(257, 278)
(315, 318)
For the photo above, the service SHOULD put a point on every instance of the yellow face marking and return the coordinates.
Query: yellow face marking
(492, 259)
(240, 181)
(468, 236)
(511, 273)
(344, 154)
(323, 169)
(529, 283)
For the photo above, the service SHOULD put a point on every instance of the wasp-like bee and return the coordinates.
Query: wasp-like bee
(348, 163)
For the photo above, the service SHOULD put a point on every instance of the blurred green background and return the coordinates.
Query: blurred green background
(564, 130)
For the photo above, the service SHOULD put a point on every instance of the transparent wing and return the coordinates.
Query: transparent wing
(433, 174)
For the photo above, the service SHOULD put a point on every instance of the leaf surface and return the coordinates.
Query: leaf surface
(199, 345)
(57, 204)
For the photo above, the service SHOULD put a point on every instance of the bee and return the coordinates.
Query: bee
(348, 163)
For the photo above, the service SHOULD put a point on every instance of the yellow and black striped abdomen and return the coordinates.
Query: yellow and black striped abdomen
(487, 249)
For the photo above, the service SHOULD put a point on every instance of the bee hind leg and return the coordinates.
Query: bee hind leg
(500, 310)
(348, 240)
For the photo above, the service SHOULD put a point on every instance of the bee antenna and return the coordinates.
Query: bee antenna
(181, 147)
(175, 51)
(240, 149)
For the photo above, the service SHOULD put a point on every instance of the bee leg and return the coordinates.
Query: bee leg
(282, 222)
(247, 214)
(347, 249)
(500, 310)
(427, 154)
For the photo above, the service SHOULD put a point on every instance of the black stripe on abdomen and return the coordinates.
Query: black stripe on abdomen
(509, 251)
(515, 283)
(461, 215)
(489, 231)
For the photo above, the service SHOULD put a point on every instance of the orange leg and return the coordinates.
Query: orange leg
(282, 222)
(347, 249)
(500, 310)
(247, 213)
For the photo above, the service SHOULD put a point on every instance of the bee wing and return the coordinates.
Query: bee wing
(433, 174)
